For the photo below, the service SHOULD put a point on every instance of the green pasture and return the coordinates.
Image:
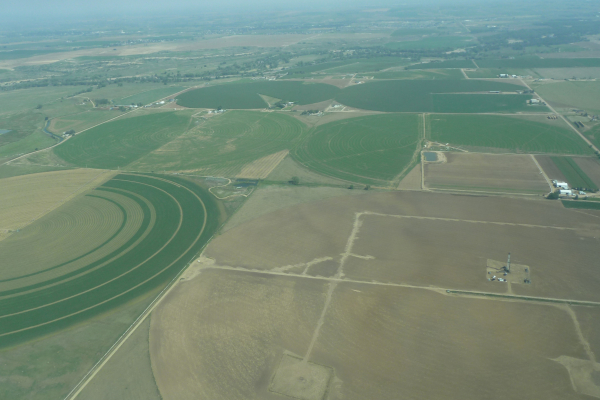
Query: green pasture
(593, 135)
(23, 99)
(483, 103)
(148, 96)
(370, 150)
(82, 120)
(418, 95)
(120, 142)
(16, 54)
(8, 171)
(433, 42)
(443, 64)
(581, 204)
(307, 70)
(166, 246)
(25, 134)
(573, 173)
(576, 94)
(246, 95)
(504, 132)
(434, 74)
(225, 143)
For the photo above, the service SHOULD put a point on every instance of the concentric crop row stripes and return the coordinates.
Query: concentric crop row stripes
(185, 218)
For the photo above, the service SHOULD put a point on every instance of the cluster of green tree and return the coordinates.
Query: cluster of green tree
(101, 102)
(551, 33)
(309, 112)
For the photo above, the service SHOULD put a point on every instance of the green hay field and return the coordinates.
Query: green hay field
(178, 219)
(573, 173)
(482, 103)
(225, 143)
(369, 150)
(506, 133)
(120, 142)
(363, 65)
(418, 96)
(581, 204)
(246, 95)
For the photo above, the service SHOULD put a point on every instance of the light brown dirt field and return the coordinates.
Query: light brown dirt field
(26, 198)
(589, 319)
(591, 166)
(267, 199)
(144, 49)
(550, 168)
(128, 374)
(233, 335)
(486, 172)
(412, 180)
(224, 330)
(262, 167)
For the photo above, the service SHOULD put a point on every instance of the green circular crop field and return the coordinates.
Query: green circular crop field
(371, 150)
(126, 237)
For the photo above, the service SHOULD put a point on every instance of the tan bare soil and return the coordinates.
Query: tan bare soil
(357, 285)
(486, 172)
(217, 359)
(550, 168)
(128, 374)
(23, 199)
(267, 199)
(412, 180)
(262, 167)
(289, 168)
(591, 166)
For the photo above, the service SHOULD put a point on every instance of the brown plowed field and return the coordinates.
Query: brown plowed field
(550, 168)
(591, 166)
(486, 172)
(356, 287)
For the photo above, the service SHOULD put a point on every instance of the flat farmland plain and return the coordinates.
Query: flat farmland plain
(133, 234)
(226, 144)
(373, 149)
(506, 133)
(118, 143)
(486, 172)
(356, 305)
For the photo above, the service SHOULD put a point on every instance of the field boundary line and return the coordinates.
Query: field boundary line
(581, 135)
(489, 295)
(113, 349)
(482, 192)
(542, 171)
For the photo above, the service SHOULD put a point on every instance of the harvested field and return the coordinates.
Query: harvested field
(550, 168)
(350, 294)
(147, 229)
(486, 172)
(412, 180)
(591, 167)
(573, 173)
(29, 197)
(262, 167)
